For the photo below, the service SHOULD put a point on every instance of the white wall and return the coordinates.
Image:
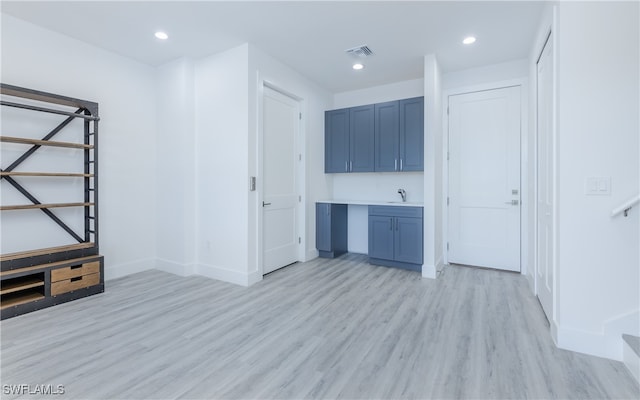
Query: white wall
(218, 146)
(502, 72)
(379, 94)
(222, 157)
(433, 166)
(598, 125)
(175, 172)
(40, 59)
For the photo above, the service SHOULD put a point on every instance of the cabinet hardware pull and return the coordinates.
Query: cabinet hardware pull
(401, 164)
(265, 204)
(391, 224)
(395, 164)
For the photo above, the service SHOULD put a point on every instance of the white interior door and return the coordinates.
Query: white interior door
(484, 179)
(280, 197)
(545, 238)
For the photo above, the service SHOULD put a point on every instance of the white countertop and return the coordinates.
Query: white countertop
(372, 203)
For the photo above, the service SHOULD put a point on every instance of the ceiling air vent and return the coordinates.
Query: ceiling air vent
(360, 51)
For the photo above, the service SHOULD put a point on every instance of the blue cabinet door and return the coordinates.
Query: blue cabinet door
(408, 240)
(381, 237)
(362, 142)
(387, 137)
(336, 140)
(412, 134)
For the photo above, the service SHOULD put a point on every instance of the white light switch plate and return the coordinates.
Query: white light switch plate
(597, 186)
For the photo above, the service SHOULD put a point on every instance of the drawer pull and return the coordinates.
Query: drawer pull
(75, 279)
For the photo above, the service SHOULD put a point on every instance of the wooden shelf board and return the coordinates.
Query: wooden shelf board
(10, 139)
(47, 265)
(26, 298)
(38, 206)
(62, 174)
(22, 285)
(44, 251)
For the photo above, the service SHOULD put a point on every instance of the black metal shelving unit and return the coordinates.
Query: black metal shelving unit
(43, 277)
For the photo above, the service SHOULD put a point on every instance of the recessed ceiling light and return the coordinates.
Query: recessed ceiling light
(358, 66)
(469, 40)
(161, 35)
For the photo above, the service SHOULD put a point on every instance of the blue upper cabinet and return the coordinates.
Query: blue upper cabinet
(383, 137)
(336, 141)
(412, 134)
(362, 142)
(387, 128)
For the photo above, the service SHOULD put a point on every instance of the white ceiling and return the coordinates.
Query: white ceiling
(309, 36)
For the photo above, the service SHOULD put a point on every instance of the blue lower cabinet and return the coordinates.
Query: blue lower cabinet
(396, 237)
(331, 229)
(381, 237)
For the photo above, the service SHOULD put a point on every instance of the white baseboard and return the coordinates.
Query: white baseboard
(227, 275)
(631, 360)
(311, 254)
(439, 265)
(592, 343)
(221, 274)
(429, 271)
(253, 277)
(531, 282)
(120, 270)
(175, 268)
(606, 344)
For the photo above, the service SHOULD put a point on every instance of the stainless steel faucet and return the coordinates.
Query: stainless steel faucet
(403, 194)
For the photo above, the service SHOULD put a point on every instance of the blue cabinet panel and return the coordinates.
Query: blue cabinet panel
(361, 143)
(408, 240)
(336, 140)
(383, 137)
(381, 237)
(331, 229)
(387, 128)
(396, 236)
(412, 134)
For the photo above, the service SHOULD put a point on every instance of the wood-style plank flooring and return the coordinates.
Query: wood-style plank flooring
(323, 329)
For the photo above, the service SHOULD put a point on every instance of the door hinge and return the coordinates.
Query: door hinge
(299, 157)
(299, 199)
(299, 240)
(299, 115)
(447, 201)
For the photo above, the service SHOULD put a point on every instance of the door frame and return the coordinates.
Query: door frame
(524, 151)
(300, 173)
(549, 36)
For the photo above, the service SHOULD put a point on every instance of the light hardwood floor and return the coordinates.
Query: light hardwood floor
(323, 329)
